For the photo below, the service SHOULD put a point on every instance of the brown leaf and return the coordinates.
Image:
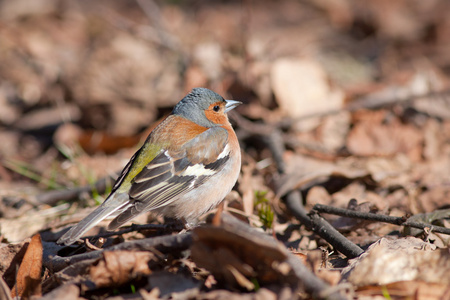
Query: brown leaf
(235, 256)
(305, 171)
(93, 142)
(434, 198)
(388, 261)
(317, 195)
(10, 256)
(119, 267)
(375, 138)
(302, 88)
(28, 280)
(70, 135)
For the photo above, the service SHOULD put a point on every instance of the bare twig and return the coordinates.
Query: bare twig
(164, 244)
(334, 237)
(272, 137)
(320, 226)
(401, 221)
(293, 199)
(294, 203)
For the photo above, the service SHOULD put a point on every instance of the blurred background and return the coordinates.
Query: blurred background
(358, 91)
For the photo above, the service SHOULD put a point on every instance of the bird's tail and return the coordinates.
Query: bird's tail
(103, 211)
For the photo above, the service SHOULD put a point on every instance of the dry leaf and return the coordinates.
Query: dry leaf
(405, 259)
(30, 222)
(28, 282)
(301, 88)
(373, 138)
(10, 255)
(119, 267)
(235, 256)
(71, 136)
(304, 171)
(434, 198)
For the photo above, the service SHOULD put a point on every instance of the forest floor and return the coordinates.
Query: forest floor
(344, 190)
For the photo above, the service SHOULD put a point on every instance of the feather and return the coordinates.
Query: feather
(117, 202)
(155, 186)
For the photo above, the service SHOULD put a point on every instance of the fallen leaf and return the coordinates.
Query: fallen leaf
(239, 258)
(119, 267)
(10, 253)
(378, 138)
(387, 261)
(302, 88)
(28, 282)
(304, 172)
(435, 198)
(333, 131)
(31, 222)
(317, 195)
(71, 136)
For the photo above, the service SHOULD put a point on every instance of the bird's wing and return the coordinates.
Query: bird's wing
(173, 173)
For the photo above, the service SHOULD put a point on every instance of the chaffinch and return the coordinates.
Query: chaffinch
(186, 166)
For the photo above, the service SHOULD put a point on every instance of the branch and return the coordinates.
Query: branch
(293, 199)
(163, 244)
(401, 221)
(320, 226)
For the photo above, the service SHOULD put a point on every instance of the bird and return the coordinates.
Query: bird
(186, 166)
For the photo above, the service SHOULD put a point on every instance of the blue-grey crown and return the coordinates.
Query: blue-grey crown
(193, 105)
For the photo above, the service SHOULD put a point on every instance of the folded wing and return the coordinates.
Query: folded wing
(175, 172)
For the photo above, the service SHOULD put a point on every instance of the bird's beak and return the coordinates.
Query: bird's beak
(231, 104)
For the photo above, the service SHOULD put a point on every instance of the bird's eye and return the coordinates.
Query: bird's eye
(216, 108)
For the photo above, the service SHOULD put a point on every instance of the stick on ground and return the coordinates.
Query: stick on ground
(401, 221)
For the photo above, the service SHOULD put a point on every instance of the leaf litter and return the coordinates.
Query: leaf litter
(346, 105)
